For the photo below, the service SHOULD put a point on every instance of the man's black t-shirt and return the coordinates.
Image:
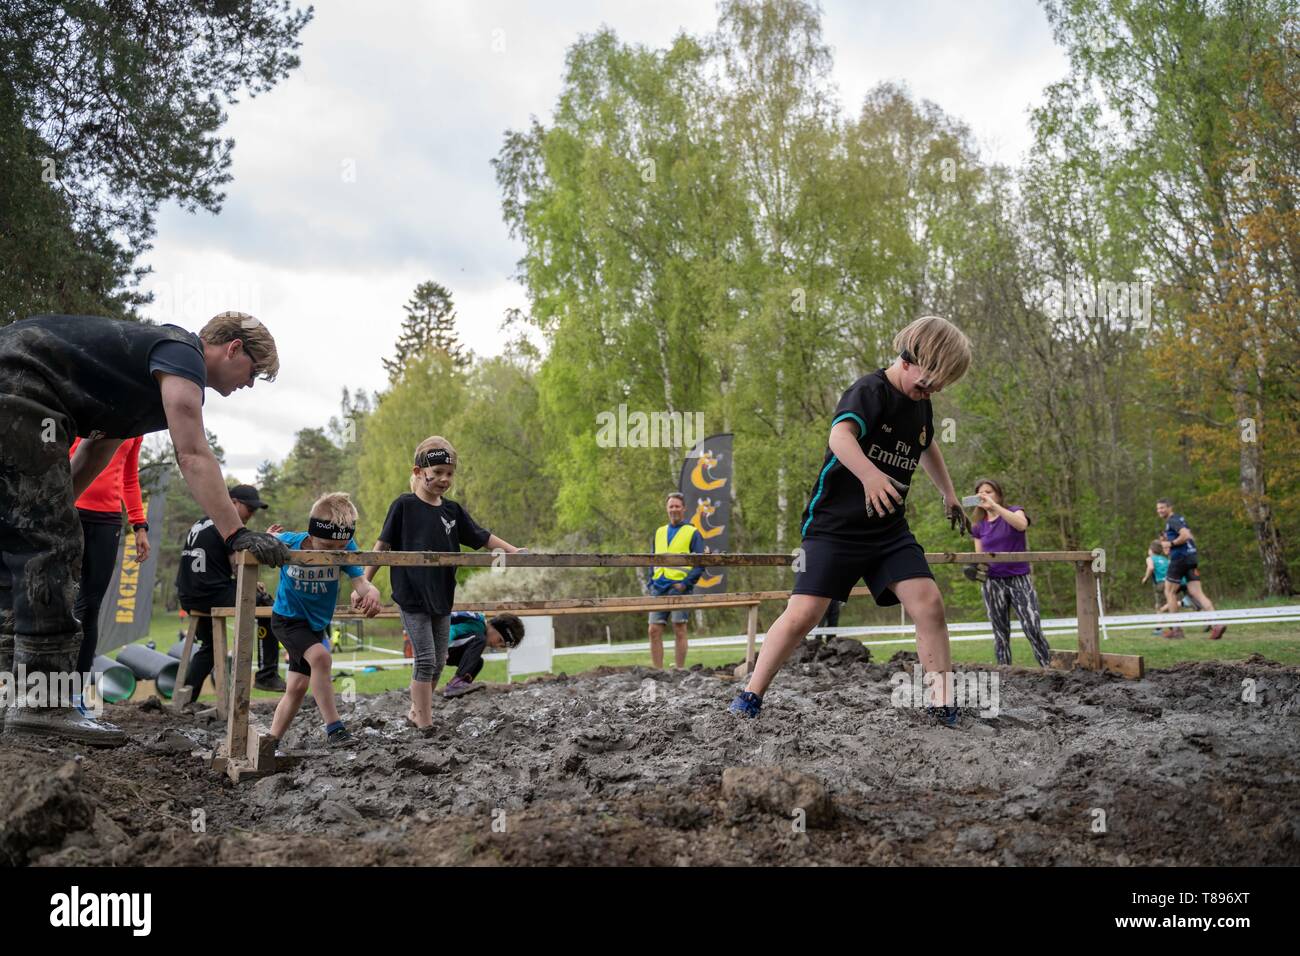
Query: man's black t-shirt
(101, 370)
(893, 431)
(205, 570)
(178, 358)
(413, 525)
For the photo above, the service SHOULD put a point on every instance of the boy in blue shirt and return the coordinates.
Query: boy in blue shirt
(304, 607)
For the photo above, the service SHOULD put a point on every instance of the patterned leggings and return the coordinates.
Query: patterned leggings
(1000, 595)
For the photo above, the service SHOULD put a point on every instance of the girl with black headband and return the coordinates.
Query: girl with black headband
(426, 520)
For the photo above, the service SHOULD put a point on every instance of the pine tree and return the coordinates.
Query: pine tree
(429, 326)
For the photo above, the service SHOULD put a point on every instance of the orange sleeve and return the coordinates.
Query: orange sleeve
(131, 482)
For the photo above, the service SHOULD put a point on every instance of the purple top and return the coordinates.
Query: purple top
(997, 535)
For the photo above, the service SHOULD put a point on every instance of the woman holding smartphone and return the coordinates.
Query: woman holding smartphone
(998, 528)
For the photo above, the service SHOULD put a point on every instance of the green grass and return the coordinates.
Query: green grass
(1279, 642)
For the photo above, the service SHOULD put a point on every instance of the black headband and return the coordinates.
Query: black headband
(436, 456)
(329, 530)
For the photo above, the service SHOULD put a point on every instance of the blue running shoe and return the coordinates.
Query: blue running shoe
(746, 704)
(948, 716)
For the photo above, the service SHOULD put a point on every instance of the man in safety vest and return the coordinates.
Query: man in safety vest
(675, 537)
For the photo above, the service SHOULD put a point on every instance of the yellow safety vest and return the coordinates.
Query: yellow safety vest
(681, 544)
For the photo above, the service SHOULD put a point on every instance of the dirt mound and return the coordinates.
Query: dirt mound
(1192, 765)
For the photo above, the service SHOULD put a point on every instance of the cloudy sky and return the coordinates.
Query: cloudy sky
(367, 171)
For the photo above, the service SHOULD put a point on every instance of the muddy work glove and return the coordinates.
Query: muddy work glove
(267, 549)
(957, 518)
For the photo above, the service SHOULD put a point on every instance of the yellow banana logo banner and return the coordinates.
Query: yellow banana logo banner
(706, 485)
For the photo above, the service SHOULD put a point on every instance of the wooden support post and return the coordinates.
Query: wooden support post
(220, 648)
(245, 634)
(1085, 599)
(181, 693)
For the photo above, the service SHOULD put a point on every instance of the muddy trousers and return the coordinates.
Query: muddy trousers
(429, 636)
(1000, 596)
(40, 536)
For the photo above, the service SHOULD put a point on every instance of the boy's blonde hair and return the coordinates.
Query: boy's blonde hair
(335, 507)
(258, 343)
(937, 346)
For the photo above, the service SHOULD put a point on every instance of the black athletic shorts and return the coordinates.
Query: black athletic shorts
(297, 637)
(832, 568)
(1180, 568)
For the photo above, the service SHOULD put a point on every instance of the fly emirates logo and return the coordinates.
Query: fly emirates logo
(900, 457)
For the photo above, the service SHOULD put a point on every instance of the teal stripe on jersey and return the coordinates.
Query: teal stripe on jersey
(862, 426)
(821, 480)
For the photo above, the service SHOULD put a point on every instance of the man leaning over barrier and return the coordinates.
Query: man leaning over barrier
(104, 380)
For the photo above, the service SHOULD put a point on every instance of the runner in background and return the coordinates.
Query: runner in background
(1183, 562)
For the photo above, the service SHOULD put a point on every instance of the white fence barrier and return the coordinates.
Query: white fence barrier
(977, 631)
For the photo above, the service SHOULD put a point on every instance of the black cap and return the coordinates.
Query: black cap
(247, 494)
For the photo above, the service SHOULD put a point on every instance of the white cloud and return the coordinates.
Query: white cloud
(419, 95)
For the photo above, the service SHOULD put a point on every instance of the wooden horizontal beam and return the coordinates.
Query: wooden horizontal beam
(488, 559)
(995, 557)
(570, 606)
(484, 559)
(1131, 666)
(543, 608)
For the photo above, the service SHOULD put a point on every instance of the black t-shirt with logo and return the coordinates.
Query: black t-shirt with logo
(414, 525)
(204, 572)
(893, 431)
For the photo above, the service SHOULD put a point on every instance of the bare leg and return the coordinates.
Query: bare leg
(800, 616)
(924, 605)
(322, 687)
(679, 632)
(287, 708)
(1171, 597)
(657, 646)
(1197, 595)
(421, 712)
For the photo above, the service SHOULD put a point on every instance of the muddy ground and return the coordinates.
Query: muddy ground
(631, 766)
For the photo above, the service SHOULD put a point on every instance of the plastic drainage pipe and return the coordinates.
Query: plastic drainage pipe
(150, 665)
(116, 682)
(179, 648)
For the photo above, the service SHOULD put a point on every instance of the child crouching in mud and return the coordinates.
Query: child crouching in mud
(855, 527)
(304, 606)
